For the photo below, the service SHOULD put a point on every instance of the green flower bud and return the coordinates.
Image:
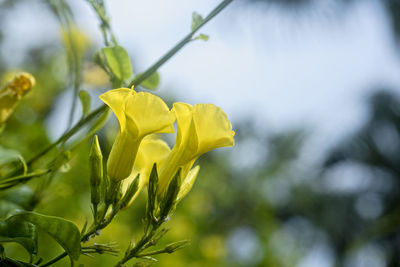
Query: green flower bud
(96, 171)
(169, 201)
(130, 192)
(152, 194)
(113, 192)
(170, 248)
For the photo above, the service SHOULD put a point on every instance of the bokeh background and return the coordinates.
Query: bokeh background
(313, 92)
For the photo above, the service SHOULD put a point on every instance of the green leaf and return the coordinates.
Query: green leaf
(151, 82)
(119, 62)
(18, 231)
(7, 207)
(203, 37)
(23, 196)
(64, 232)
(197, 19)
(100, 59)
(10, 160)
(84, 97)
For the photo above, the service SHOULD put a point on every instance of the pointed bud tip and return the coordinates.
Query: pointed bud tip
(95, 150)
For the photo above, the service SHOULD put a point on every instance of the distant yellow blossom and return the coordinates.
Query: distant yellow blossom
(75, 40)
(12, 92)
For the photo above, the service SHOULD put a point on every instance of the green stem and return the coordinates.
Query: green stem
(75, 69)
(50, 262)
(133, 253)
(69, 133)
(151, 253)
(188, 38)
(6, 183)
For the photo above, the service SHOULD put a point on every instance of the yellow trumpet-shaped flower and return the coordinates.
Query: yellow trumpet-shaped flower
(152, 150)
(201, 128)
(138, 114)
(12, 92)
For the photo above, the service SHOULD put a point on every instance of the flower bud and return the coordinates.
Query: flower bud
(96, 171)
(113, 193)
(130, 192)
(152, 194)
(170, 199)
(170, 248)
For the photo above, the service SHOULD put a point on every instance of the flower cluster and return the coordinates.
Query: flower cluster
(200, 128)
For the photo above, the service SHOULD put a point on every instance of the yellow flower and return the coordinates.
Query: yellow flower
(153, 150)
(150, 151)
(12, 92)
(201, 128)
(138, 114)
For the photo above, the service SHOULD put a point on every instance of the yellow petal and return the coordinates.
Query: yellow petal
(139, 114)
(213, 128)
(150, 151)
(201, 128)
(147, 114)
(122, 156)
(116, 99)
(186, 138)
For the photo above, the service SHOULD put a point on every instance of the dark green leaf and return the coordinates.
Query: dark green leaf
(8, 262)
(64, 232)
(18, 231)
(151, 82)
(22, 196)
(85, 102)
(119, 62)
(10, 160)
(6, 207)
